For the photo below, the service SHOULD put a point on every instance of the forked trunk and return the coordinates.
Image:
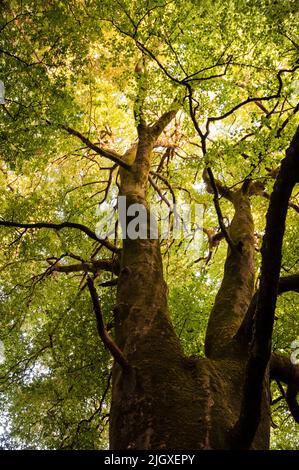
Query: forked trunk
(165, 400)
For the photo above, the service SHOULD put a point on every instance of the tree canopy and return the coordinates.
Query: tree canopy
(80, 77)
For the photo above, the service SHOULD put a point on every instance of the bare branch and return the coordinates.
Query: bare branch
(147, 51)
(166, 182)
(110, 154)
(223, 190)
(19, 59)
(213, 241)
(162, 122)
(286, 121)
(255, 99)
(215, 187)
(107, 340)
(209, 77)
(286, 284)
(74, 225)
(158, 190)
(282, 369)
(111, 283)
(27, 13)
(92, 267)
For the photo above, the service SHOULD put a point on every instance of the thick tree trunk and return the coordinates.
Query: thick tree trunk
(165, 400)
(152, 400)
(237, 287)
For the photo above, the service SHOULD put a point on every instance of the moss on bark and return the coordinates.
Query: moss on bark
(168, 401)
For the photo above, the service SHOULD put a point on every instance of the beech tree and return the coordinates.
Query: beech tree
(149, 342)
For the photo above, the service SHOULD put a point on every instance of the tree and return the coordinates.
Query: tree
(156, 100)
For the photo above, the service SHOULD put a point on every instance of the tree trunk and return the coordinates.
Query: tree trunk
(166, 400)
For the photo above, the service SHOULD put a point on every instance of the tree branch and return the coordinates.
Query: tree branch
(286, 121)
(285, 284)
(110, 154)
(221, 188)
(214, 187)
(158, 190)
(19, 59)
(92, 267)
(255, 99)
(260, 350)
(282, 369)
(19, 15)
(141, 93)
(107, 340)
(166, 182)
(82, 228)
(162, 122)
(291, 204)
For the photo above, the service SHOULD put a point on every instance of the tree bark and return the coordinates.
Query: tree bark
(257, 370)
(151, 401)
(237, 287)
(165, 400)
